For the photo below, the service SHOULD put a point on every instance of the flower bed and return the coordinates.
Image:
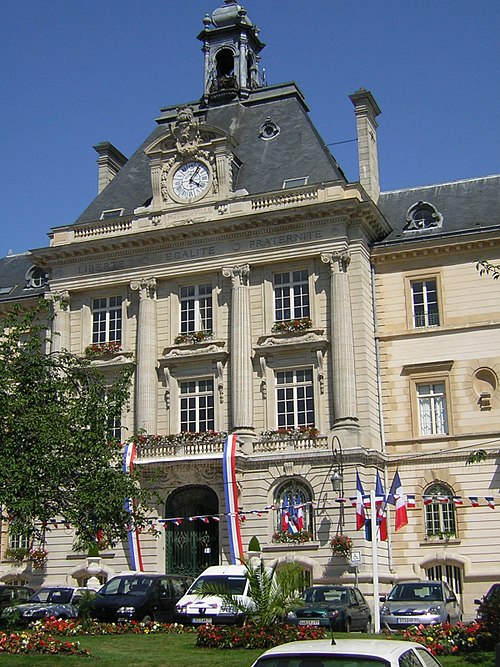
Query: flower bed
(449, 639)
(254, 636)
(70, 628)
(37, 641)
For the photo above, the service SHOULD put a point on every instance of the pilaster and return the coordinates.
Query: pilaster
(146, 386)
(240, 349)
(342, 342)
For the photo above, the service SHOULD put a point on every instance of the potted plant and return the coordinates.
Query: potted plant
(16, 555)
(38, 557)
(341, 545)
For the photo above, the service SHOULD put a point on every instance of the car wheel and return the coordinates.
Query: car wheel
(146, 619)
(367, 625)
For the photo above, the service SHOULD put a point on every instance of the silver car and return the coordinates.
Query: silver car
(419, 603)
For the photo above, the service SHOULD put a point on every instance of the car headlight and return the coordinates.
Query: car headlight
(385, 609)
(435, 611)
(291, 614)
(181, 608)
(126, 610)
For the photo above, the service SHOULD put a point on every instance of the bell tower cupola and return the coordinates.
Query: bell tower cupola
(231, 46)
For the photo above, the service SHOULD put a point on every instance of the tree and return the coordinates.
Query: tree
(485, 268)
(57, 460)
(273, 593)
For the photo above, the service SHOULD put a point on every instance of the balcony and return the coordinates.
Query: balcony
(277, 442)
(196, 445)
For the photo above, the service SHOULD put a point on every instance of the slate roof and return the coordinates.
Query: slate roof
(297, 151)
(13, 269)
(467, 206)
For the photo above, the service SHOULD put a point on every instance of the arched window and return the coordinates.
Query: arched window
(440, 517)
(294, 518)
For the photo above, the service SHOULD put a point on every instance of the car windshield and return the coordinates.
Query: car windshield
(53, 595)
(133, 585)
(331, 594)
(416, 593)
(321, 661)
(233, 585)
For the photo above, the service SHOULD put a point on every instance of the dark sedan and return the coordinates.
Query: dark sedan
(341, 608)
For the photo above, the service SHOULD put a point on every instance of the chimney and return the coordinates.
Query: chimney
(366, 110)
(110, 161)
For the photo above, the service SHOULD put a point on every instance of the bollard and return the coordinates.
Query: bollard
(497, 655)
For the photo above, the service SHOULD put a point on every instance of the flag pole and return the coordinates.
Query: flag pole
(376, 615)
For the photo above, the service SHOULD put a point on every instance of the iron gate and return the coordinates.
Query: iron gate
(192, 546)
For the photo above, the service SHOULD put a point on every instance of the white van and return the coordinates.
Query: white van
(194, 609)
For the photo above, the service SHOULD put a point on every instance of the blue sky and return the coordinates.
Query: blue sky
(77, 72)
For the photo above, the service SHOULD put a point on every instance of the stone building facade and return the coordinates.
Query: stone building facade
(338, 331)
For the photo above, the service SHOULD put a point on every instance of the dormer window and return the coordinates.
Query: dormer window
(112, 213)
(36, 277)
(269, 130)
(422, 215)
(295, 182)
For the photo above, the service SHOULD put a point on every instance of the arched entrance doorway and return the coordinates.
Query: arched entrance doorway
(193, 545)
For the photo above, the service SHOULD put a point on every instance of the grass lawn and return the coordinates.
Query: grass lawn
(176, 651)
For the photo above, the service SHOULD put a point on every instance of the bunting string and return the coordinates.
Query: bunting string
(459, 501)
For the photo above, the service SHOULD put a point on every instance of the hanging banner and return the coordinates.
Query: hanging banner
(231, 496)
(134, 543)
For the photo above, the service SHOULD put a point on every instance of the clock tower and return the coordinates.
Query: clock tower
(232, 46)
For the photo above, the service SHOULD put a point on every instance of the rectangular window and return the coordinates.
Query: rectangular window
(115, 429)
(197, 405)
(425, 303)
(291, 295)
(18, 541)
(107, 320)
(196, 308)
(295, 398)
(432, 408)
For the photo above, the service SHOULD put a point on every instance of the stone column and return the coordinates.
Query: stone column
(146, 381)
(342, 341)
(61, 325)
(241, 349)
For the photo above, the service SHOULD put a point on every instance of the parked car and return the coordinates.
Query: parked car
(198, 609)
(348, 653)
(57, 601)
(139, 597)
(493, 593)
(11, 595)
(341, 608)
(419, 603)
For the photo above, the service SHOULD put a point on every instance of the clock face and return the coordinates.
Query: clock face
(190, 181)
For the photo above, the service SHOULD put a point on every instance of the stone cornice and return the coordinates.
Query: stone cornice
(434, 247)
(334, 202)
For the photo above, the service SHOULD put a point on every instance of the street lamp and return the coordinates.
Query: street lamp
(337, 477)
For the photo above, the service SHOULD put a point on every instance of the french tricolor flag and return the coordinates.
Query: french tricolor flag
(360, 508)
(474, 501)
(397, 497)
(491, 502)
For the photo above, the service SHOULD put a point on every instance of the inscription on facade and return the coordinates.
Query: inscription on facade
(191, 253)
(282, 239)
(188, 250)
(100, 267)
